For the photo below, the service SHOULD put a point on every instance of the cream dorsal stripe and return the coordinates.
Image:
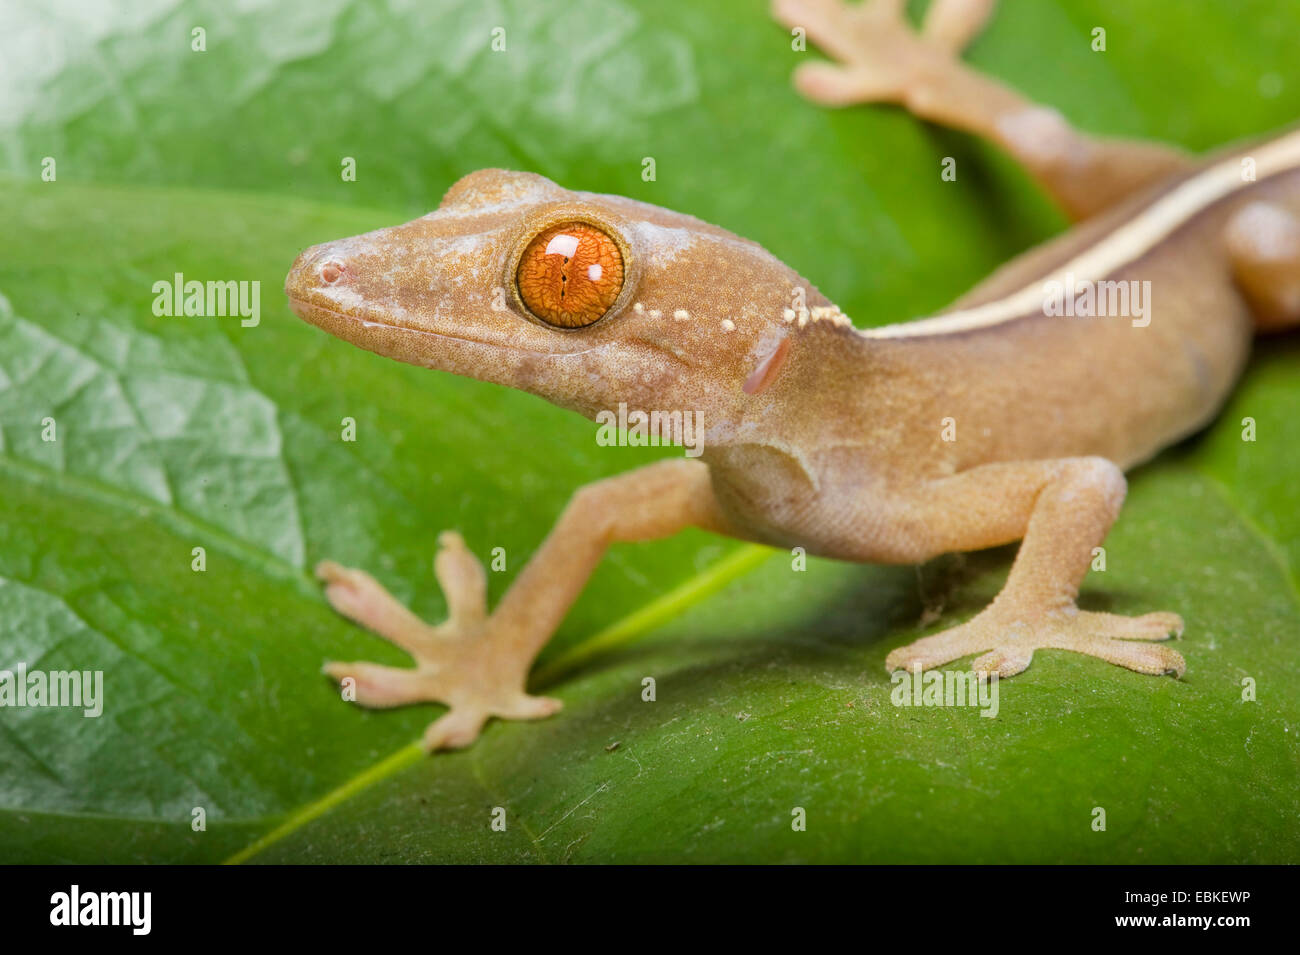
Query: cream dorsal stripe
(1126, 244)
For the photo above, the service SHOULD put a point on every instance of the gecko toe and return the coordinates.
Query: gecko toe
(937, 649)
(1003, 661)
(456, 730)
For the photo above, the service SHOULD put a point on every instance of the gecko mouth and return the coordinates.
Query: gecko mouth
(379, 337)
(518, 367)
(383, 337)
(334, 321)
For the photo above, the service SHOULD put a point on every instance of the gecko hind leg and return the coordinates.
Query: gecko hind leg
(451, 666)
(1062, 509)
(882, 59)
(1264, 244)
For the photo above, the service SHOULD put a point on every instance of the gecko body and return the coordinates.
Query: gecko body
(1008, 416)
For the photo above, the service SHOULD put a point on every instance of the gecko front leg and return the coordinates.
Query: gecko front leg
(477, 663)
(1062, 509)
(883, 60)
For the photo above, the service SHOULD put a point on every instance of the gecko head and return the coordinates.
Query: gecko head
(586, 300)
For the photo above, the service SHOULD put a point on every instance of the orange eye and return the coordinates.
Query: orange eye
(570, 275)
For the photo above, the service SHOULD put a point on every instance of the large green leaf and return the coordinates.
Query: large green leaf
(175, 433)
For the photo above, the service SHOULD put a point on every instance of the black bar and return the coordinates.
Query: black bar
(354, 904)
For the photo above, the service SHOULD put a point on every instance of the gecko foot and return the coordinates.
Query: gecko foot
(1010, 639)
(881, 58)
(457, 663)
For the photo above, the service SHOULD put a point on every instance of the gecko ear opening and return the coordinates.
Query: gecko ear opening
(570, 274)
(768, 367)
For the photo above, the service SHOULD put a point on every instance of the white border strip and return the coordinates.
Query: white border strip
(1126, 244)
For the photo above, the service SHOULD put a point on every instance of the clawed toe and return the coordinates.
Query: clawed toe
(456, 730)
(379, 686)
(463, 581)
(1151, 659)
(1154, 626)
(525, 707)
(361, 598)
(1004, 661)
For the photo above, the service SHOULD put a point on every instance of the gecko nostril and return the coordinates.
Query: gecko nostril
(332, 271)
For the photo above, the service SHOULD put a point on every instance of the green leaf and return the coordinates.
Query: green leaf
(176, 433)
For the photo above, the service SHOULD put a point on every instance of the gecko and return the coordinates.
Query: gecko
(818, 434)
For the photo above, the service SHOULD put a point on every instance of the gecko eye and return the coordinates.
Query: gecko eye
(570, 275)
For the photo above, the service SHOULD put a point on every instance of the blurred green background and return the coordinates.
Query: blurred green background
(181, 433)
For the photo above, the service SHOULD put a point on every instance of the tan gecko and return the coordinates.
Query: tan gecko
(816, 434)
